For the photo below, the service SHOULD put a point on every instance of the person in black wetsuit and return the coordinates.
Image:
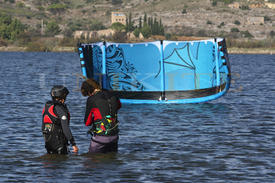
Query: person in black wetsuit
(55, 123)
(101, 114)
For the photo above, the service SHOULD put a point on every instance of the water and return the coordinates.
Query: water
(231, 139)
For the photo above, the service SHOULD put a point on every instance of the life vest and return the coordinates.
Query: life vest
(108, 125)
(51, 127)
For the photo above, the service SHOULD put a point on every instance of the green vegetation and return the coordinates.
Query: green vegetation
(119, 27)
(237, 22)
(251, 43)
(215, 2)
(244, 7)
(150, 26)
(45, 25)
(57, 8)
(10, 28)
(52, 28)
(184, 11)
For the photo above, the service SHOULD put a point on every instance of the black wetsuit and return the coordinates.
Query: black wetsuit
(56, 141)
(99, 105)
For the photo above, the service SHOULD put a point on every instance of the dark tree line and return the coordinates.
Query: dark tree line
(149, 26)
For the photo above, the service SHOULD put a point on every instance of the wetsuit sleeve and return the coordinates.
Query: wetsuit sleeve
(88, 120)
(92, 112)
(119, 104)
(61, 113)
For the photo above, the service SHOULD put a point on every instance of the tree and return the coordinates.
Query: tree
(10, 28)
(57, 8)
(117, 2)
(117, 26)
(234, 29)
(272, 34)
(146, 30)
(136, 32)
(161, 28)
(246, 34)
(52, 28)
(237, 22)
(145, 19)
(129, 24)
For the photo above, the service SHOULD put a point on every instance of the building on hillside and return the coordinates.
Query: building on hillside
(235, 5)
(270, 5)
(256, 5)
(93, 34)
(118, 17)
(255, 20)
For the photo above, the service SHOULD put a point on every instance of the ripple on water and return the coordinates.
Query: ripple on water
(230, 139)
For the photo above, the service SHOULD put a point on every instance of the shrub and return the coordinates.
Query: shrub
(146, 31)
(184, 11)
(214, 3)
(52, 28)
(237, 22)
(234, 29)
(57, 8)
(266, 18)
(37, 47)
(119, 37)
(244, 7)
(136, 32)
(117, 26)
(246, 34)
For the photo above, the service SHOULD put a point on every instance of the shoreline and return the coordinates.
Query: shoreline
(233, 50)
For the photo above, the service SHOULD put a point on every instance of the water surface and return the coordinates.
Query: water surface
(231, 139)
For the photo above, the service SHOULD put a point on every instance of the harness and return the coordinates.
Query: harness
(51, 127)
(107, 126)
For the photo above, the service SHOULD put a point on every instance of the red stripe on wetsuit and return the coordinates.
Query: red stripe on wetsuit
(93, 116)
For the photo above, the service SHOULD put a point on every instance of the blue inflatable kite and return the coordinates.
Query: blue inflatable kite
(160, 71)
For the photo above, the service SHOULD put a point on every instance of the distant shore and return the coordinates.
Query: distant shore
(270, 51)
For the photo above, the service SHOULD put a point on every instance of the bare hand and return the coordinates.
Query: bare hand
(75, 149)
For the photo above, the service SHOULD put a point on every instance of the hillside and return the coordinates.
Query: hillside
(253, 19)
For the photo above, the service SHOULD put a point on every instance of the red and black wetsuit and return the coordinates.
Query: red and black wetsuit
(55, 127)
(98, 106)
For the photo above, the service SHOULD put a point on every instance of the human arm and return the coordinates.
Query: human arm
(92, 112)
(63, 115)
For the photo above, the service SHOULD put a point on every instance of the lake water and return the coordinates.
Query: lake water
(231, 139)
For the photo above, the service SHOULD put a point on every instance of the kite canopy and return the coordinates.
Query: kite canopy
(160, 71)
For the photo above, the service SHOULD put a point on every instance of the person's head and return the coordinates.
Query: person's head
(89, 87)
(59, 93)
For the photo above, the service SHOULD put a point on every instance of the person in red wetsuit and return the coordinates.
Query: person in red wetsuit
(55, 123)
(101, 113)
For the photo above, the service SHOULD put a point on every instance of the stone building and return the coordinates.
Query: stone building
(118, 17)
(270, 5)
(93, 34)
(235, 5)
(255, 20)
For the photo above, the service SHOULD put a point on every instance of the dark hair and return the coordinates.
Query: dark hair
(89, 86)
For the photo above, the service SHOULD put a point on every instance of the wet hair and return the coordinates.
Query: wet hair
(89, 86)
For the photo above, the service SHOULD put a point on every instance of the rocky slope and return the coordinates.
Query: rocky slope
(183, 17)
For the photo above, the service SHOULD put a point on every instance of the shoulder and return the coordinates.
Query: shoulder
(60, 108)
(49, 103)
(109, 94)
(90, 99)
